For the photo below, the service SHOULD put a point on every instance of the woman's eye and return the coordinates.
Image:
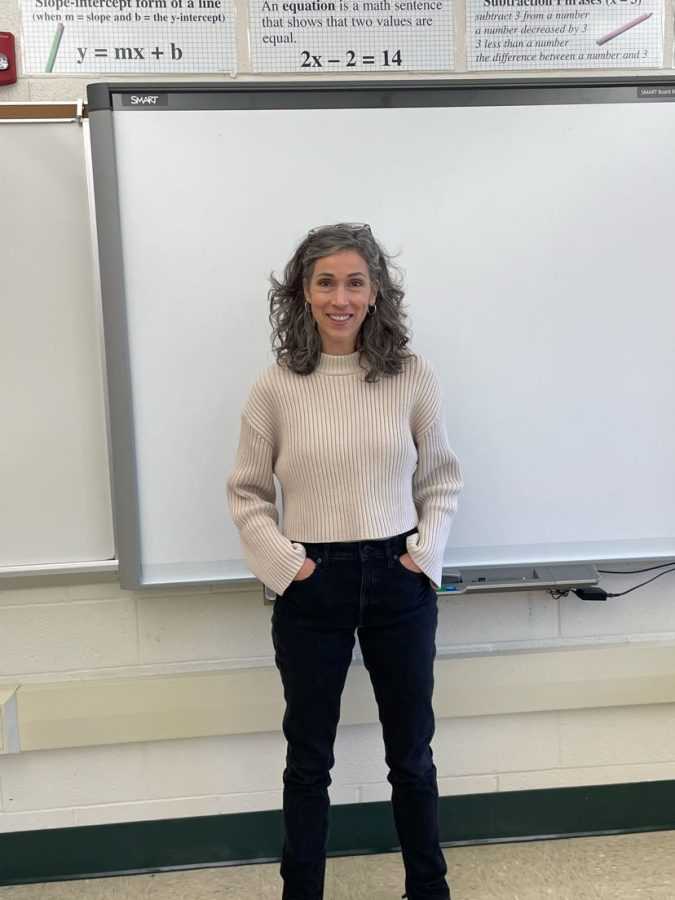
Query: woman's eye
(357, 284)
(323, 282)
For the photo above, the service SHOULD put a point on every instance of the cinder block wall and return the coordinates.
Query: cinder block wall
(94, 631)
(51, 633)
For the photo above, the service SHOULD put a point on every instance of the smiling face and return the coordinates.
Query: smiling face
(339, 292)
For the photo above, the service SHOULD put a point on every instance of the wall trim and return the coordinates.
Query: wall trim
(360, 828)
(45, 109)
(249, 700)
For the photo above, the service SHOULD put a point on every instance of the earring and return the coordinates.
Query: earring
(371, 309)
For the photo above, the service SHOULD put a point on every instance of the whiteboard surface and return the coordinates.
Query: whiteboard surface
(55, 501)
(537, 245)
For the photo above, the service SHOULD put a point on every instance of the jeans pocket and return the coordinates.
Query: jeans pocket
(304, 589)
(403, 589)
(400, 566)
(312, 576)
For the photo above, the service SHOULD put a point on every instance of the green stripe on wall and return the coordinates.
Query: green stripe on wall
(133, 847)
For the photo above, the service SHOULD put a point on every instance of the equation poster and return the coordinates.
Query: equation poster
(128, 36)
(564, 34)
(321, 36)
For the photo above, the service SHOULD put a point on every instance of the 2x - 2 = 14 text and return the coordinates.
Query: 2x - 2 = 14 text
(317, 61)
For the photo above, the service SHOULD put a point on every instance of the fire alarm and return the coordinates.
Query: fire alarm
(7, 58)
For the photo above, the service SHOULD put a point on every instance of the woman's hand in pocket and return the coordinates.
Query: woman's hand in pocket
(407, 562)
(305, 570)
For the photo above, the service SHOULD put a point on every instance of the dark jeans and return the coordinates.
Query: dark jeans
(358, 586)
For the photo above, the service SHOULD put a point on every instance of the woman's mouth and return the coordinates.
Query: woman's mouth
(341, 318)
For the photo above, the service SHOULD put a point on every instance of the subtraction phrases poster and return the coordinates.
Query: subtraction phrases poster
(564, 34)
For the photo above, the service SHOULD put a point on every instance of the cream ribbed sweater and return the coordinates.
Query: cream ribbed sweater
(355, 460)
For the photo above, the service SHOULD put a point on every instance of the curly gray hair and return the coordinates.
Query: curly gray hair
(383, 337)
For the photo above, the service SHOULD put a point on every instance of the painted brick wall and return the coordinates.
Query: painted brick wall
(49, 633)
(97, 630)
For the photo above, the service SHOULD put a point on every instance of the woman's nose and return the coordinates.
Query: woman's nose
(341, 295)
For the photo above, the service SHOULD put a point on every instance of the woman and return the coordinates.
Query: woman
(351, 423)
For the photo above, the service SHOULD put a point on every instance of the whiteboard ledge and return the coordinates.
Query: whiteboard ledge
(73, 568)
(173, 576)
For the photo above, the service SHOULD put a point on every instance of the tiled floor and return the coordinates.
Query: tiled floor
(622, 867)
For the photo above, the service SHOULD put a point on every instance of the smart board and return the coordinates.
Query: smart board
(533, 223)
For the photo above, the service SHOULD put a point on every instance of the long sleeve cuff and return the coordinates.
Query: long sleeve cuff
(436, 484)
(279, 566)
(273, 558)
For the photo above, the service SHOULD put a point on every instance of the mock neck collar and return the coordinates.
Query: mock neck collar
(340, 365)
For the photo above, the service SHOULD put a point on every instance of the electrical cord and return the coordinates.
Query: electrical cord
(636, 571)
(597, 593)
(649, 581)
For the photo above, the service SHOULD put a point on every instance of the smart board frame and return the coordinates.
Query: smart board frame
(106, 101)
